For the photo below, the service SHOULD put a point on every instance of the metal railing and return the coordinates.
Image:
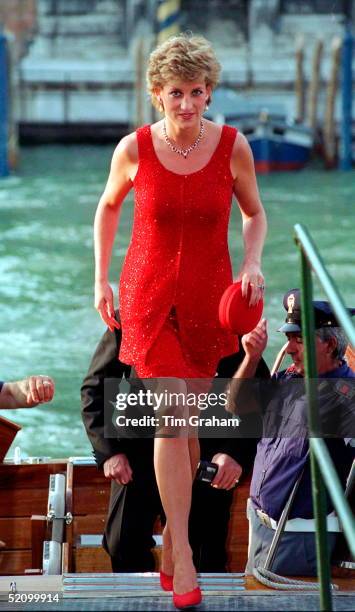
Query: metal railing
(322, 467)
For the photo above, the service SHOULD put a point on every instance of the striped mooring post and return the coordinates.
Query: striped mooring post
(168, 18)
(4, 164)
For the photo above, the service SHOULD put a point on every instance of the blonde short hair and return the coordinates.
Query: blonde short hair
(183, 57)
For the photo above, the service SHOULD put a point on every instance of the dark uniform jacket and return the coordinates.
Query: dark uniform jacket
(282, 452)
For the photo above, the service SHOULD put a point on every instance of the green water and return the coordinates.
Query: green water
(48, 323)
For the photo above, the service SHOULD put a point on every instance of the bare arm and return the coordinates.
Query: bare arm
(254, 345)
(27, 393)
(123, 168)
(253, 215)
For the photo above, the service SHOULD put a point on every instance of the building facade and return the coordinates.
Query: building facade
(78, 60)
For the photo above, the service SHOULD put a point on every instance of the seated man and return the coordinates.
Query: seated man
(135, 502)
(282, 454)
(26, 393)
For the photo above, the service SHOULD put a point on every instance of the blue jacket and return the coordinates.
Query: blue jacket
(282, 455)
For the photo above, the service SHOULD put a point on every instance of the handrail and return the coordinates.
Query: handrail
(316, 262)
(335, 489)
(322, 467)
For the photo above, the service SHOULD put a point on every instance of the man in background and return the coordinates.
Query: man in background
(282, 454)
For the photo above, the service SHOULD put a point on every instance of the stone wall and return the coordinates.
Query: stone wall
(84, 29)
(78, 68)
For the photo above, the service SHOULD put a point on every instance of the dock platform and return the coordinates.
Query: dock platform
(142, 592)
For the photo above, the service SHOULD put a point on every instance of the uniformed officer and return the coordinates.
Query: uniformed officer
(282, 453)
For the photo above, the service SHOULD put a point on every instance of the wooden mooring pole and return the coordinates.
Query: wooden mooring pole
(143, 111)
(139, 82)
(13, 96)
(299, 80)
(329, 131)
(314, 86)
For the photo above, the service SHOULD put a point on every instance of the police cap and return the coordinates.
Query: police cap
(323, 313)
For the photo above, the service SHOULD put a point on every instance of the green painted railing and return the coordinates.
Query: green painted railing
(322, 467)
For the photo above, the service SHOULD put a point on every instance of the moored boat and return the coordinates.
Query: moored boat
(277, 141)
(278, 145)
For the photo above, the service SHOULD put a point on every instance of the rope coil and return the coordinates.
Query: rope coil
(282, 583)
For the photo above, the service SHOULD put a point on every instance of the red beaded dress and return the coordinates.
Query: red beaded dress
(177, 265)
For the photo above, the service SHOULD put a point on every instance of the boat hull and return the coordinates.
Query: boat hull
(272, 155)
(24, 501)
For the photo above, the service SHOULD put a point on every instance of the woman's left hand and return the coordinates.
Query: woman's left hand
(251, 275)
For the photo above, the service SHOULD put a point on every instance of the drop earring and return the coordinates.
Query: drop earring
(161, 107)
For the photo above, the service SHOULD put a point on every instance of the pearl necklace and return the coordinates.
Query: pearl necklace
(183, 152)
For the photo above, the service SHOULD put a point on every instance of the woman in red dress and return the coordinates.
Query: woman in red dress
(184, 170)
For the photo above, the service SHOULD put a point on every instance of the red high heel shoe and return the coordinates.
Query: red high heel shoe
(166, 581)
(187, 600)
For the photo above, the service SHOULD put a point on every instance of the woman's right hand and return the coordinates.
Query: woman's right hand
(104, 304)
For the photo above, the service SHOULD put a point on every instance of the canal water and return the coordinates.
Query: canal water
(48, 323)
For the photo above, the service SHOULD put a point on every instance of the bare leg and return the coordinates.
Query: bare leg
(175, 460)
(167, 564)
(194, 451)
(174, 478)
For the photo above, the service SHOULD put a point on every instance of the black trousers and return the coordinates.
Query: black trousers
(134, 509)
(208, 526)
